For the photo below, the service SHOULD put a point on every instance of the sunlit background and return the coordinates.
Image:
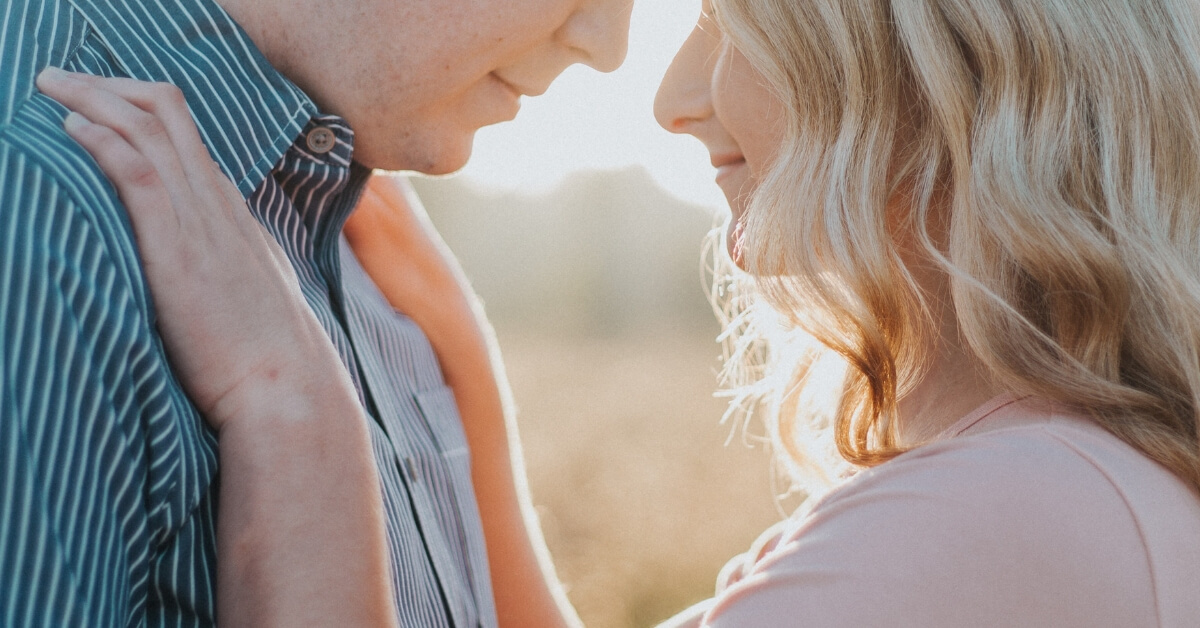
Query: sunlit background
(580, 225)
(603, 121)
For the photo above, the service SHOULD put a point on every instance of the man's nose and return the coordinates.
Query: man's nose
(599, 33)
(685, 95)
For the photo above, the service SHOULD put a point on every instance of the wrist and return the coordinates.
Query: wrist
(285, 433)
(274, 400)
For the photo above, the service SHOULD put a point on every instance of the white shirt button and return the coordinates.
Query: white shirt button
(410, 465)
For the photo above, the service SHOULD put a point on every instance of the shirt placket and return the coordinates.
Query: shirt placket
(390, 409)
(326, 142)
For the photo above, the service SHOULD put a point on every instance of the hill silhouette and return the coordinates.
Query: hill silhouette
(604, 253)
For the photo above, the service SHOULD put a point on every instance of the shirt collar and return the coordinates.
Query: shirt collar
(247, 112)
(323, 182)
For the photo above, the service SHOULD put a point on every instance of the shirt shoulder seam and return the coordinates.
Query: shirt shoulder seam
(1091, 461)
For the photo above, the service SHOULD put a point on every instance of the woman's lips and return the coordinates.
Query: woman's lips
(733, 177)
(728, 170)
(727, 164)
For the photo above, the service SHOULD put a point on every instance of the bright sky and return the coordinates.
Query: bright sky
(590, 120)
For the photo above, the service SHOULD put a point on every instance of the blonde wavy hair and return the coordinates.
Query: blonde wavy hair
(1063, 136)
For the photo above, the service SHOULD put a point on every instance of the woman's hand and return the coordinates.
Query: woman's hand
(300, 539)
(229, 307)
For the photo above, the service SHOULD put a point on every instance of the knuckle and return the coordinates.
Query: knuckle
(149, 125)
(139, 172)
(166, 96)
(169, 93)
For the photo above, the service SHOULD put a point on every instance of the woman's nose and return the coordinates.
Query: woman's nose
(685, 95)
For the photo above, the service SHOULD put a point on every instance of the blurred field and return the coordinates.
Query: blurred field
(596, 296)
(640, 499)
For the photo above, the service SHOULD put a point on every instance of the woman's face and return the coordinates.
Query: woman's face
(711, 92)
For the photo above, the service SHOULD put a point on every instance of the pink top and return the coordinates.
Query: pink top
(1021, 515)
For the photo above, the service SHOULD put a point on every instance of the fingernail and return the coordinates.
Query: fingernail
(53, 74)
(74, 122)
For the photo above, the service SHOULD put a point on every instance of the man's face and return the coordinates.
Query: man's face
(417, 78)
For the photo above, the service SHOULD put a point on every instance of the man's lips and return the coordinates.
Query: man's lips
(509, 86)
(510, 93)
(519, 91)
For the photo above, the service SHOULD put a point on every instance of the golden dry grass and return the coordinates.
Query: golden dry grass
(640, 499)
(596, 294)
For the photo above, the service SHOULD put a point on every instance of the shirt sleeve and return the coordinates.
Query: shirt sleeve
(1000, 531)
(76, 519)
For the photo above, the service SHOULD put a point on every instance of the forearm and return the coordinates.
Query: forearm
(526, 589)
(398, 246)
(300, 532)
(300, 536)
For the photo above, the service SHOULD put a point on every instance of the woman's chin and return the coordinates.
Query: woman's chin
(737, 195)
(734, 242)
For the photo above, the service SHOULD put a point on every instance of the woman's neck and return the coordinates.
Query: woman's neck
(953, 383)
(952, 387)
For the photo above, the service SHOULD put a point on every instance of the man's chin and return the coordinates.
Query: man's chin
(433, 158)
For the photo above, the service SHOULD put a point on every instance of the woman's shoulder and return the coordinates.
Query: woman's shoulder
(1031, 517)
(1046, 457)
(1030, 453)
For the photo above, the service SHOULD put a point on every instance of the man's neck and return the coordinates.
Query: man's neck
(278, 33)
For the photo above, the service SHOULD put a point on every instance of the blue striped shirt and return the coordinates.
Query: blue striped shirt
(107, 473)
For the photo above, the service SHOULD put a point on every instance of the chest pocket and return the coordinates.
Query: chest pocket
(456, 512)
(440, 412)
